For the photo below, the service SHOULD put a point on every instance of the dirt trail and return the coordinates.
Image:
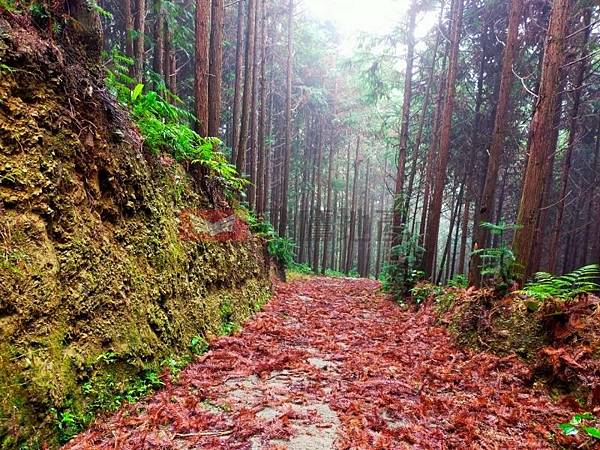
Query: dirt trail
(331, 363)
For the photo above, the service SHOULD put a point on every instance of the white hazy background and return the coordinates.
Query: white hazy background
(355, 17)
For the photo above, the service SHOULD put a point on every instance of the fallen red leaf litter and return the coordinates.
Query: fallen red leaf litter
(334, 363)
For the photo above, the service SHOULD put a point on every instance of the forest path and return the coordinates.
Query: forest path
(332, 363)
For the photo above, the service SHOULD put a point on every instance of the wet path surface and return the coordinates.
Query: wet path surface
(331, 363)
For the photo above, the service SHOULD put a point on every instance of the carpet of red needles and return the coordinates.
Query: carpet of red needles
(333, 363)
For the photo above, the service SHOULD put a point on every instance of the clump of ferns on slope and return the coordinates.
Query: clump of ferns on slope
(566, 287)
(166, 127)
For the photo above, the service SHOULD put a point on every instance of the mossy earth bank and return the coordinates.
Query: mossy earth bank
(97, 284)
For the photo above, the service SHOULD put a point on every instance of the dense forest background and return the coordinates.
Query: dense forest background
(400, 150)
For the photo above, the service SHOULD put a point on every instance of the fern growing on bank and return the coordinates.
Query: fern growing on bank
(166, 127)
(498, 263)
(566, 287)
(279, 247)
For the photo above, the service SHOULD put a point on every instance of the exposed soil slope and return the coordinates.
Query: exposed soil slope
(331, 363)
(97, 281)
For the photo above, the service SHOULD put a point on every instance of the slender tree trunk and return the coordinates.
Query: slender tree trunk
(592, 194)
(540, 143)
(201, 68)
(346, 210)
(351, 231)
(454, 205)
(261, 185)
(424, 115)
(216, 67)
(288, 120)
(168, 65)
(248, 90)
(433, 146)
(333, 232)
(397, 214)
(328, 213)
(317, 187)
(159, 31)
(305, 182)
(486, 204)
(573, 130)
(128, 23)
(364, 257)
(139, 53)
(237, 96)
(253, 151)
(433, 221)
(269, 134)
(463, 237)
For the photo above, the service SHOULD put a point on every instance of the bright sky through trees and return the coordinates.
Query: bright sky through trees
(353, 17)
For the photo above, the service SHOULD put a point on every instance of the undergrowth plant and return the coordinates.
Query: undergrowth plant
(498, 263)
(458, 281)
(279, 247)
(582, 423)
(166, 127)
(423, 291)
(566, 287)
(402, 273)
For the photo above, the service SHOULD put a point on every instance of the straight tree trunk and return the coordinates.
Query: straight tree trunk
(261, 185)
(305, 182)
(139, 53)
(328, 212)
(317, 187)
(333, 258)
(201, 68)
(540, 143)
(351, 231)
(426, 101)
(238, 89)
(433, 221)
(248, 90)
(463, 237)
(253, 151)
(159, 34)
(487, 201)
(216, 67)
(288, 121)
(433, 146)
(345, 211)
(397, 215)
(573, 130)
(128, 23)
(364, 267)
(591, 197)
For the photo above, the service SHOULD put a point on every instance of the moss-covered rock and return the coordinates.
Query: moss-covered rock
(97, 286)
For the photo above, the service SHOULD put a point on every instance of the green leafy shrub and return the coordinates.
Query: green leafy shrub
(423, 291)
(279, 247)
(458, 281)
(102, 394)
(301, 269)
(402, 273)
(498, 263)
(566, 287)
(198, 345)
(166, 127)
(334, 273)
(581, 422)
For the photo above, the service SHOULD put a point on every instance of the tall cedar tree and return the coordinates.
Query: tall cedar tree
(435, 208)
(283, 204)
(486, 204)
(201, 68)
(541, 139)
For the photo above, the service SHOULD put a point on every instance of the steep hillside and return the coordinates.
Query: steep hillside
(98, 283)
